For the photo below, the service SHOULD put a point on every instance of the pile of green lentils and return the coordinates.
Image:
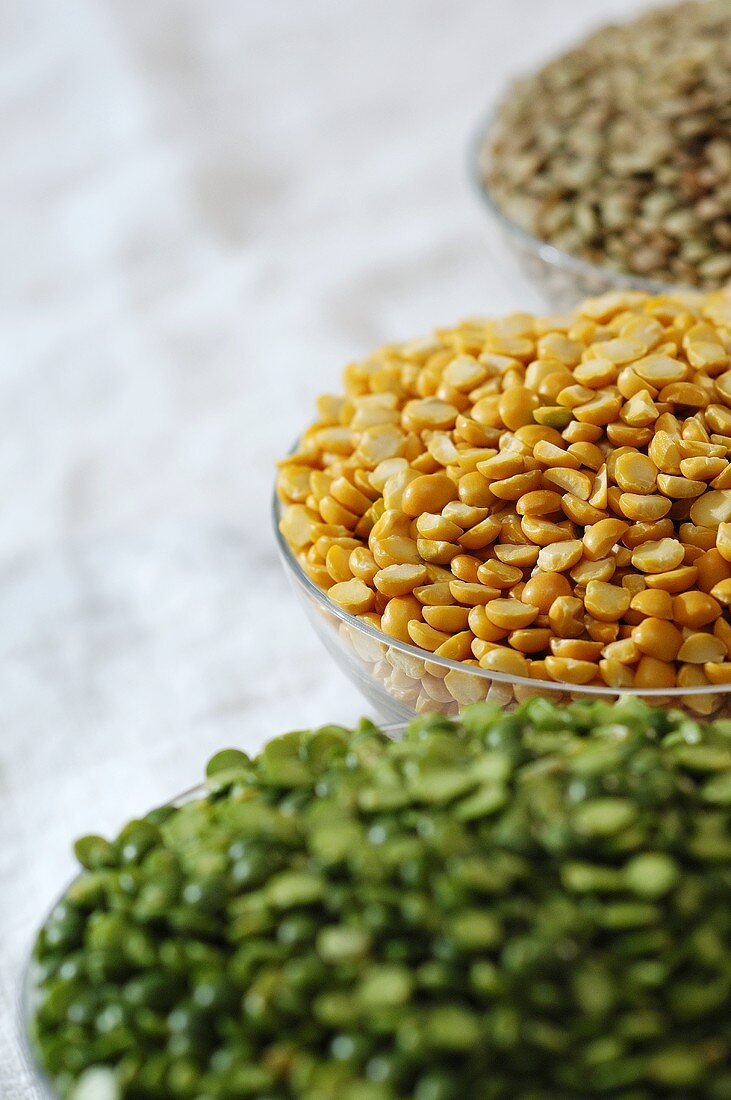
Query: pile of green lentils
(528, 906)
(619, 151)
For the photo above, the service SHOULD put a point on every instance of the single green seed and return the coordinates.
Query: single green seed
(604, 817)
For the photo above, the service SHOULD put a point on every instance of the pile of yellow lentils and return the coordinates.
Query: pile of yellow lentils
(545, 497)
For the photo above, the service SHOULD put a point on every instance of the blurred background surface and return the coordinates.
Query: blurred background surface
(208, 210)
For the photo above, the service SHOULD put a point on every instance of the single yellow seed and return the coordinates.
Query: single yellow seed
(711, 569)
(498, 574)
(601, 537)
(702, 468)
(362, 564)
(474, 490)
(437, 528)
(542, 532)
(425, 636)
(481, 535)
(712, 508)
(483, 628)
(296, 525)
(699, 648)
(602, 409)
(658, 557)
(718, 673)
(588, 454)
(507, 661)
(723, 540)
(516, 407)
(522, 556)
(400, 580)
(541, 502)
(464, 373)
(658, 638)
(642, 508)
(337, 562)
(543, 588)
(548, 454)
(655, 603)
(397, 615)
(596, 373)
(654, 673)
(665, 453)
(679, 488)
(353, 596)
(638, 533)
(675, 580)
(436, 593)
(659, 370)
(600, 493)
(464, 515)
(469, 593)
(429, 493)
(510, 614)
(464, 567)
(580, 511)
(428, 413)
(640, 411)
(464, 687)
(635, 473)
(579, 649)
(395, 550)
(436, 552)
(570, 481)
(685, 393)
(351, 498)
(695, 609)
(601, 570)
(606, 602)
(391, 522)
(566, 617)
(500, 466)
(625, 650)
(532, 639)
(571, 670)
(512, 488)
(615, 674)
(456, 648)
(558, 556)
(621, 350)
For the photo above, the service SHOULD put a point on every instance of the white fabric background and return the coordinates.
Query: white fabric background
(208, 208)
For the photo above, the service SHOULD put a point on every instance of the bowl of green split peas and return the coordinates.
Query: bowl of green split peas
(523, 905)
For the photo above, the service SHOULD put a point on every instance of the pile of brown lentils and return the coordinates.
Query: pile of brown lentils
(619, 151)
(542, 497)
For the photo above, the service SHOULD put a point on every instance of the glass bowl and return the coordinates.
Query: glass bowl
(560, 278)
(400, 680)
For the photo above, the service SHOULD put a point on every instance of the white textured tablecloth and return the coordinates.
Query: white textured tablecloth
(208, 208)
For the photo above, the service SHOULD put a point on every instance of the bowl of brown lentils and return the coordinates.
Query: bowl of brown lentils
(526, 506)
(610, 167)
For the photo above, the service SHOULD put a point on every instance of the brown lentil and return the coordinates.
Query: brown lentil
(619, 152)
(468, 496)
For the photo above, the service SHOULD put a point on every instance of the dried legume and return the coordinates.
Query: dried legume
(516, 532)
(619, 152)
(509, 907)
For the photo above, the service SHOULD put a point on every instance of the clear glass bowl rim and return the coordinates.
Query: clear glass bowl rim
(549, 253)
(550, 687)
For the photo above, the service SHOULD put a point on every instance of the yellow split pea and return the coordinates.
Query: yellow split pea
(548, 498)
